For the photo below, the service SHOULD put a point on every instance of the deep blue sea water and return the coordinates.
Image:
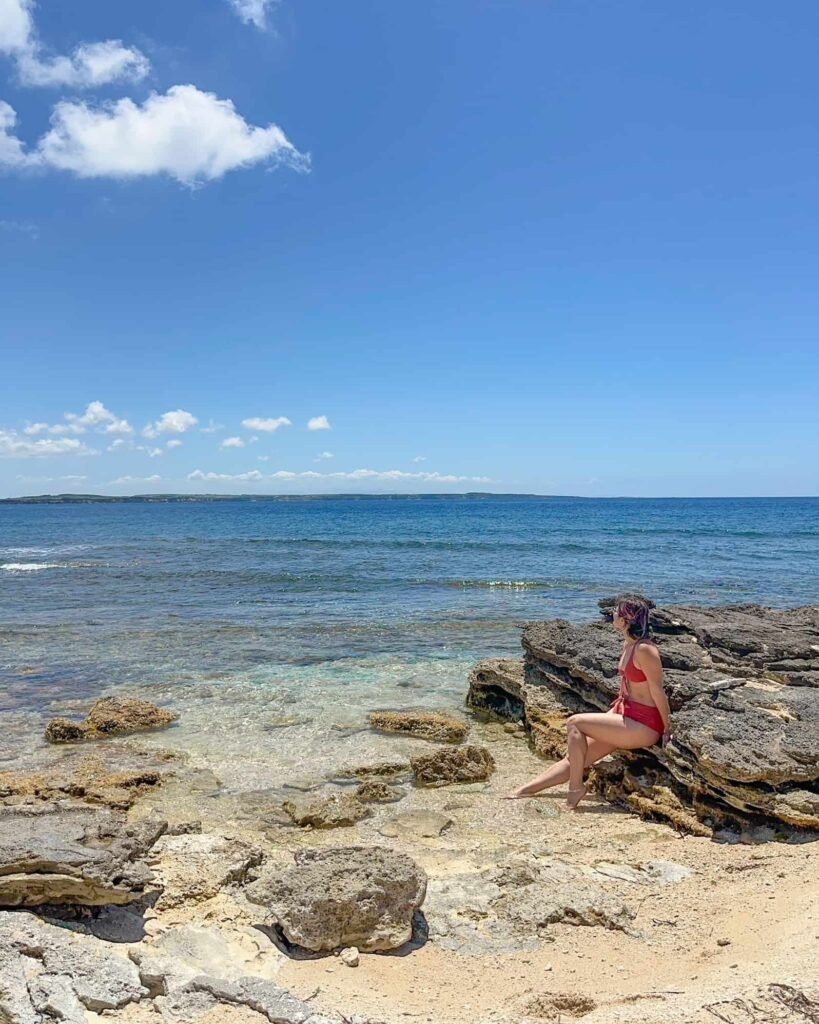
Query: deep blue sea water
(351, 603)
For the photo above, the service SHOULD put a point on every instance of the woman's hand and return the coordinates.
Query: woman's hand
(667, 737)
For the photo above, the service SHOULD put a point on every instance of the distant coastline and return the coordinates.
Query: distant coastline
(86, 499)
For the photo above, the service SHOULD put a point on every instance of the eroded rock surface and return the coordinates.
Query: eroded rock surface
(50, 854)
(193, 868)
(348, 896)
(453, 764)
(335, 811)
(743, 684)
(110, 716)
(439, 726)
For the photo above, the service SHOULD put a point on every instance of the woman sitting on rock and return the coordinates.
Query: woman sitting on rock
(638, 717)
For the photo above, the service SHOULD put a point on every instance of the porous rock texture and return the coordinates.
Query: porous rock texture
(76, 855)
(110, 716)
(453, 764)
(347, 896)
(743, 685)
(439, 726)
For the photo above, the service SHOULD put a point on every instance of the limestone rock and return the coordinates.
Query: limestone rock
(350, 957)
(73, 855)
(115, 778)
(453, 764)
(47, 971)
(333, 811)
(495, 687)
(378, 793)
(195, 867)
(390, 770)
(347, 896)
(111, 716)
(743, 685)
(428, 725)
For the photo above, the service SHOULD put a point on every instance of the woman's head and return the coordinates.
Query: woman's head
(631, 614)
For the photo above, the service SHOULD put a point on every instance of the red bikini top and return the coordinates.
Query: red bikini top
(630, 672)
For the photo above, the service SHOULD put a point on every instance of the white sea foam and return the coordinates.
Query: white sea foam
(33, 566)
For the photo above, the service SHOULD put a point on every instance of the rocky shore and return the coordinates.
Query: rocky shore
(136, 889)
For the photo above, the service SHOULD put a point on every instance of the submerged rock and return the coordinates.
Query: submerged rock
(416, 825)
(73, 855)
(378, 793)
(743, 685)
(453, 764)
(110, 716)
(334, 811)
(348, 896)
(428, 725)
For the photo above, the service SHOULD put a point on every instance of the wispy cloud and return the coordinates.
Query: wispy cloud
(173, 443)
(20, 227)
(154, 478)
(385, 476)
(324, 457)
(176, 422)
(91, 64)
(319, 423)
(420, 458)
(267, 426)
(253, 12)
(17, 446)
(232, 442)
(252, 474)
(212, 428)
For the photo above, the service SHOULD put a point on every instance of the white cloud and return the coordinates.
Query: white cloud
(112, 447)
(252, 474)
(264, 458)
(91, 64)
(232, 442)
(13, 445)
(173, 443)
(319, 423)
(95, 415)
(324, 457)
(420, 458)
(190, 135)
(253, 12)
(154, 478)
(175, 422)
(152, 453)
(266, 425)
(12, 153)
(383, 476)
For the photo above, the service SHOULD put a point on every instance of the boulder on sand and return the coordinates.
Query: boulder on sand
(453, 764)
(110, 716)
(348, 896)
(743, 685)
(427, 725)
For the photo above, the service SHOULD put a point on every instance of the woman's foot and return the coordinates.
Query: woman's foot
(518, 794)
(574, 796)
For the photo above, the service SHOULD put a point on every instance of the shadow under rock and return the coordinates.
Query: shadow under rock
(420, 937)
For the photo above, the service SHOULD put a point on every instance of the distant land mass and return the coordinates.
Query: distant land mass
(88, 499)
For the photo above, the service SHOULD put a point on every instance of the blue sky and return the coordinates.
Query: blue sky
(561, 247)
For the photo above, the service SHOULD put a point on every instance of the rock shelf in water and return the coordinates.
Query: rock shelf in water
(743, 685)
(111, 716)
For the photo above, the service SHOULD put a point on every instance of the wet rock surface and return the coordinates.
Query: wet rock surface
(428, 725)
(335, 811)
(74, 855)
(348, 896)
(453, 764)
(111, 716)
(743, 685)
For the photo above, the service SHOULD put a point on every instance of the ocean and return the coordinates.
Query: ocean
(237, 611)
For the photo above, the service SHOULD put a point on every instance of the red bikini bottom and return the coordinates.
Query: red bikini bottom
(643, 713)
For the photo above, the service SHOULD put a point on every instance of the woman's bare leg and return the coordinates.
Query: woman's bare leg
(559, 772)
(622, 733)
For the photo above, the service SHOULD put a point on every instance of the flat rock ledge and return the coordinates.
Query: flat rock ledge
(111, 716)
(743, 684)
(73, 855)
(363, 896)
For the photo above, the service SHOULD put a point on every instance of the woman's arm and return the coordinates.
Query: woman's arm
(647, 659)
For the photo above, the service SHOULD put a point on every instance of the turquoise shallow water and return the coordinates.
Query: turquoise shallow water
(340, 605)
